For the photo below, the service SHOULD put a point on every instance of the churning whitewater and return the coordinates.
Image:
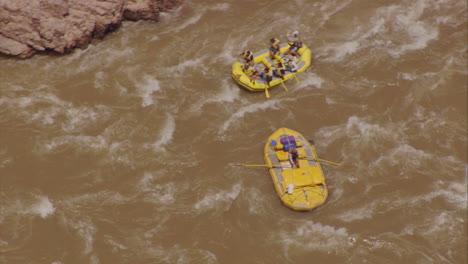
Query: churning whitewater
(120, 152)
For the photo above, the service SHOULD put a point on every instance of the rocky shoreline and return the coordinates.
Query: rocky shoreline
(31, 26)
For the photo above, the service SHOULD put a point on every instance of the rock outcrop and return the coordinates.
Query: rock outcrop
(30, 26)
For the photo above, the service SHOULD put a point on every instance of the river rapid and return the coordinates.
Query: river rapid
(120, 153)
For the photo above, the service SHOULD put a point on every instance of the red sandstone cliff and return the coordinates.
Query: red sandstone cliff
(29, 26)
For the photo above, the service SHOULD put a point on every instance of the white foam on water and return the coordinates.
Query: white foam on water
(307, 235)
(360, 39)
(79, 118)
(306, 81)
(356, 214)
(408, 76)
(226, 94)
(99, 80)
(359, 128)
(414, 33)
(86, 230)
(396, 29)
(412, 157)
(78, 216)
(155, 38)
(330, 134)
(43, 207)
(256, 201)
(199, 13)
(337, 52)
(452, 192)
(180, 68)
(94, 259)
(442, 230)
(43, 116)
(166, 134)
(146, 88)
(158, 193)
(164, 194)
(44, 108)
(228, 55)
(299, 3)
(220, 7)
(116, 246)
(330, 101)
(375, 243)
(441, 226)
(93, 57)
(219, 198)
(5, 159)
(80, 143)
(330, 8)
(32, 205)
(178, 254)
(99, 56)
(74, 56)
(187, 23)
(251, 108)
(145, 183)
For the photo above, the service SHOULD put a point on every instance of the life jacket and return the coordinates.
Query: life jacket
(279, 70)
(267, 74)
(293, 44)
(249, 69)
(274, 45)
(280, 66)
(248, 56)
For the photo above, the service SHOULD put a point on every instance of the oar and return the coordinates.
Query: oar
(295, 77)
(267, 94)
(284, 85)
(253, 165)
(322, 160)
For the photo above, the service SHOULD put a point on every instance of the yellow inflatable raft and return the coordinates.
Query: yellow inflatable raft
(262, 59)
(302, 188)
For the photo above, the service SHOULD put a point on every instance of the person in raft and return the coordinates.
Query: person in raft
(294, 158)
(274, 47)
(248, 57)
(267, 75)
(279, 70)
(290, 63)
(251, 71)
(294, 44)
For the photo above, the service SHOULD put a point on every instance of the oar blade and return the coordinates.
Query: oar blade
(267, 94)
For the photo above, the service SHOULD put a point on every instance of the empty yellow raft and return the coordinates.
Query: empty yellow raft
(262, 59)
(302, 188)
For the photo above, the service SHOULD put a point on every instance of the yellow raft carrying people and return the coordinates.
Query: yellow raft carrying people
(275, 65)
(295, 170)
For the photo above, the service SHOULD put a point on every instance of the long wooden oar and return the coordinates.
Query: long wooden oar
(322, 160)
